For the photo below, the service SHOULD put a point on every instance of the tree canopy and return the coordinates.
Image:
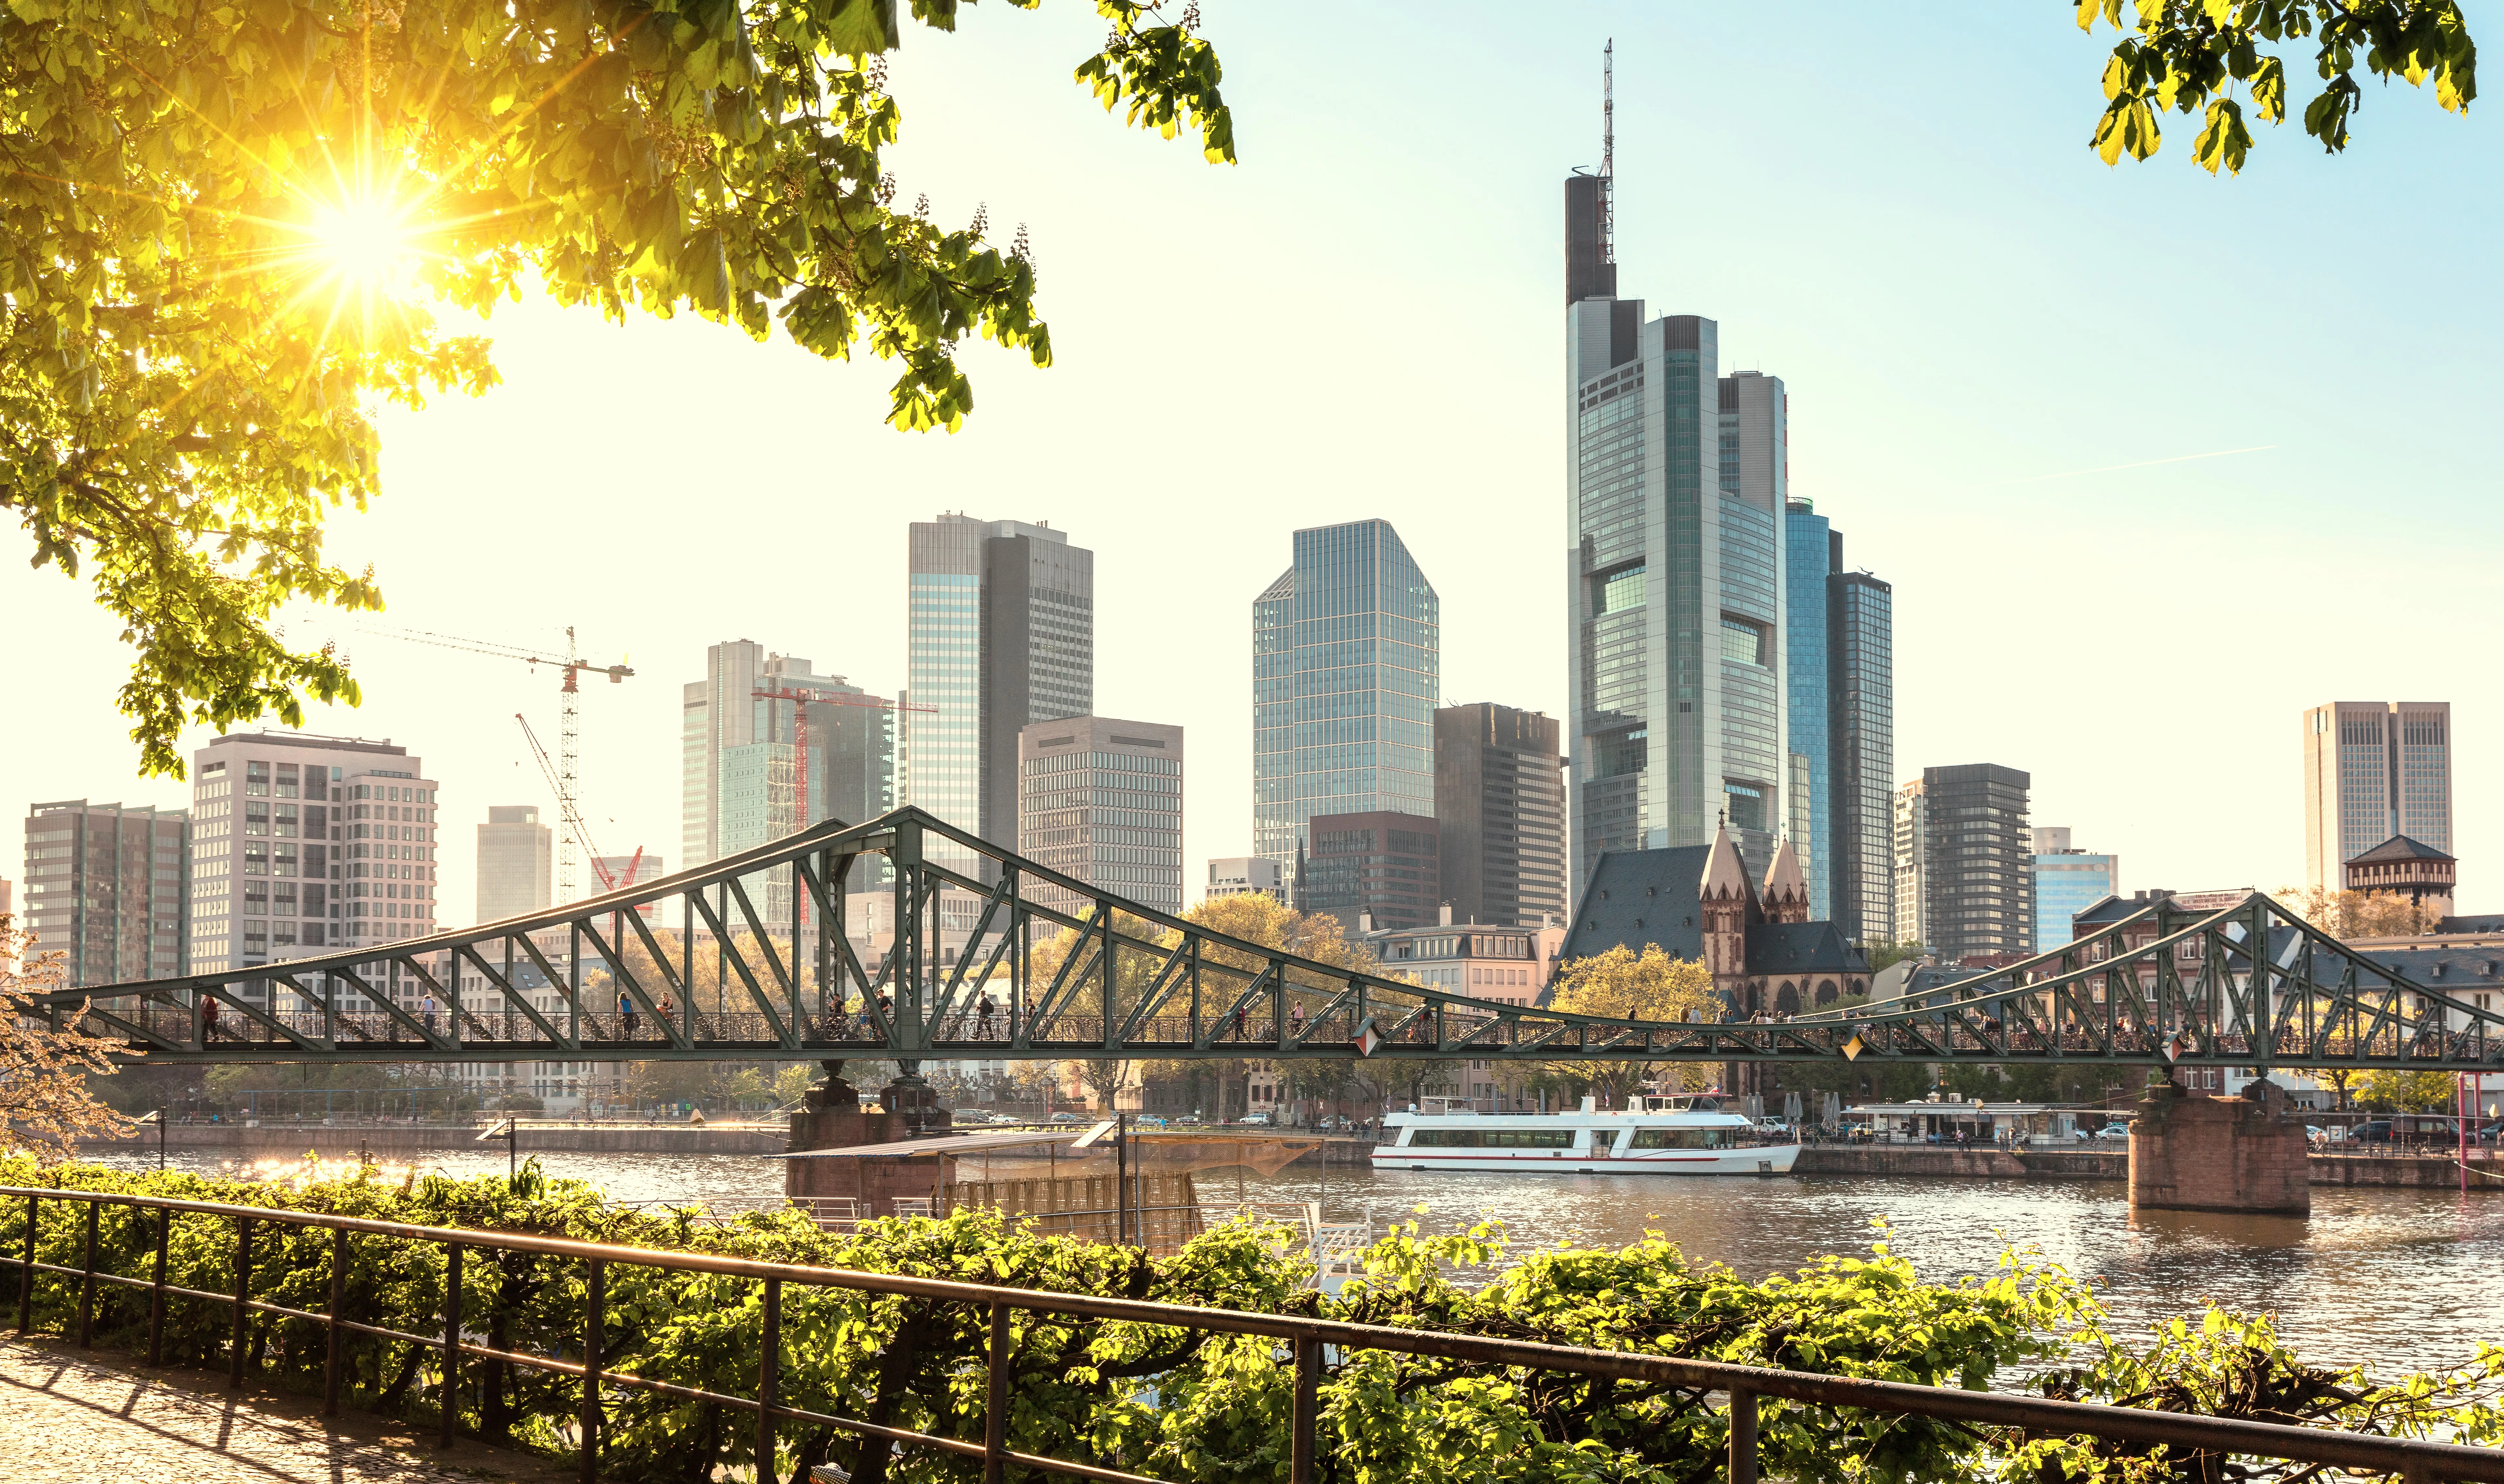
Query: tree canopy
(2198, 55)
(229, 226)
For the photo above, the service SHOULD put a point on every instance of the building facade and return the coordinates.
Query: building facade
(768, 748)
(2402, 867)
(1003, 636)
(1500, 813)
(1376, 871)
(306, 844)
(109, 888)
(2066, 883)
(1972, 848)
(1912, 822)
(2373, 770)
(1860, 732)
(1238, 876)
(517, 862)
(1677, 580)
(1346, 669)
(1487, 962)
(1812, 550)
(1100, 800)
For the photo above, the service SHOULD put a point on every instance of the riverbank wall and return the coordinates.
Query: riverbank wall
(392, 1141)
(2416, 1171)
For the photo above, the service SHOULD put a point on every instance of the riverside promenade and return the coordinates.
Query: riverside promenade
(72, 1415)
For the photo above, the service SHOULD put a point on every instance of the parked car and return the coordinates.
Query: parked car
(1254, 1120)
(1066, 1118)
(2378, 1131)
(2113, 1132)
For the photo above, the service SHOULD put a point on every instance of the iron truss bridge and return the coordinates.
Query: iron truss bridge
(995, 958)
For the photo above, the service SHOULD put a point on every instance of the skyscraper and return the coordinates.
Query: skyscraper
(109, 888)
(1861, 743)
(1500, 813)
(1003, 636)
(1677, 575)
(1346, 666)
(515, 855)
(2066, 883)
(1810, 553)
(1102, 801)
(768, 748)
(303, 844)
(2373, 770)
(1965, 848)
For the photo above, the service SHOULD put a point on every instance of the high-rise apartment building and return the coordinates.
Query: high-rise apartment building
(768, 748)
(1003, 636)
(517, 858)
(1500, 811)
(303, 844)
(1678, 622)
(1861, 743)
(1346, 668)
(1376, 871)
(2066, 883)
(108, 888)
(1100, 800)
(1964, 852)
(1241, 876)
(2373, 770)
(1840, 690)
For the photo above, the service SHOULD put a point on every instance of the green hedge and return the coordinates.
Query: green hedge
(1181, 1405)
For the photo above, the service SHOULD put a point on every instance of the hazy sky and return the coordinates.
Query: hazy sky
(1989, 340)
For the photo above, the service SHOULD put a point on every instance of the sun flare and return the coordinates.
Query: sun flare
(362, 240)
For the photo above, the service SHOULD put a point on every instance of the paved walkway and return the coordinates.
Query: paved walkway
(71, 1416)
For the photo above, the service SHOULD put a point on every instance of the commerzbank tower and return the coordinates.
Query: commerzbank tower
(1726, 666)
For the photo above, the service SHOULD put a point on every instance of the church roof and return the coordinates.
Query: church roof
(2400, 847)
(1636, 897)
(1726, 870)
(1802, 947)
(1783, 878)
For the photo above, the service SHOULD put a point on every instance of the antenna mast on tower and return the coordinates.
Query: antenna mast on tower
(1609, 151)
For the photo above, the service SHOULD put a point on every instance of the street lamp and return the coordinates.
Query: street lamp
(511, 1133)
(158, 1118)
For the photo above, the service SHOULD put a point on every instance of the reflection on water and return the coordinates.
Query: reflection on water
(2399, 1278)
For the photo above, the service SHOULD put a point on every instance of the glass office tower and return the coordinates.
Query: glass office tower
(1861, 748)
(1345, 677)
(1809, 544)
(1677, 580)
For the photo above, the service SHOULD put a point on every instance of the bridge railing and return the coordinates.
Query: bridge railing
(2204, 1444)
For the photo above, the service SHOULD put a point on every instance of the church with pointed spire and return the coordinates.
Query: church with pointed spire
(1704, 902)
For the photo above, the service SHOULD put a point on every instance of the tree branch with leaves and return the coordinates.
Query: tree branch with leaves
(46, 1105)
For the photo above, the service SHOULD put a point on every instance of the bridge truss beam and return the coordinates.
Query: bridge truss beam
(1045, 967)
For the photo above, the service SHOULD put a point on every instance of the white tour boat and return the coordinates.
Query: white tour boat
(1656, 1137)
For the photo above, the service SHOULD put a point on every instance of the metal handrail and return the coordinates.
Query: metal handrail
(2410, 1460)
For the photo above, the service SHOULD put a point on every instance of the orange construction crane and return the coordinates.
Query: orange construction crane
(561, 777)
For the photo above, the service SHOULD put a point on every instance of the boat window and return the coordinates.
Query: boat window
(1493, 1138)
(1683, 1138)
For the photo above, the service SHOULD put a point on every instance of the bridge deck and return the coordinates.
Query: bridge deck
(71, 1416)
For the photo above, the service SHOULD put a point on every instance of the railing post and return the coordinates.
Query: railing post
(332, 1334)
(595, 1296)
(26, 1273)
(996, 1404)
(769, 1376)
(242, 1300)
(1308, 1376)
(157, 1292)
(451, 1343)
(87, 1283)
(1743, 1437)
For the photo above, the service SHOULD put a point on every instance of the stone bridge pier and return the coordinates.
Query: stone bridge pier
(2190, 1152)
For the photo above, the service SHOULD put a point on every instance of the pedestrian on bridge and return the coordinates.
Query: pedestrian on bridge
(626, 1011)
(983, 1012)
(425, 1008)
(208, 1018)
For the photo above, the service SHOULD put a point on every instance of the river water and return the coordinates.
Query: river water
(2398, 1279)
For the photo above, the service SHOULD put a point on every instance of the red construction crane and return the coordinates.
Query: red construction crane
(577, 831)
(800, 735)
